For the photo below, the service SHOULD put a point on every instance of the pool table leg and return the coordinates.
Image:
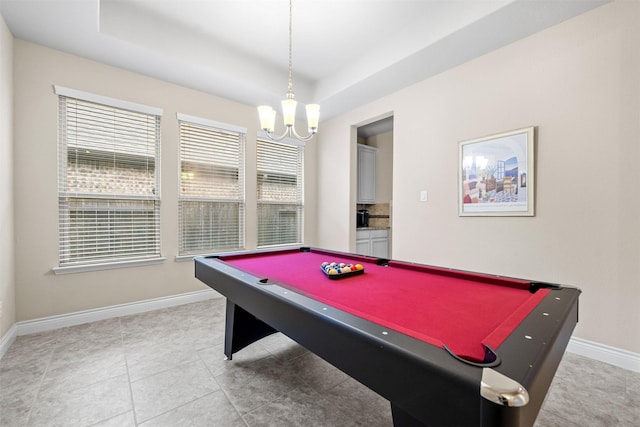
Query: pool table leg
(402, 419)
(242, 329)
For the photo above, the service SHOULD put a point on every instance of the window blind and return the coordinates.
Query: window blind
(280, 168)
(108, 183)
(211, 203)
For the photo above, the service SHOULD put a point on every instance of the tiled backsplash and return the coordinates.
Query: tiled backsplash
(379, 215)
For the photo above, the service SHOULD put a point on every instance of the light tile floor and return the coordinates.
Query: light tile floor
(166, 368)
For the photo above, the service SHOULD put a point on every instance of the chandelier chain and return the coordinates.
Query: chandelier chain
(290, 87)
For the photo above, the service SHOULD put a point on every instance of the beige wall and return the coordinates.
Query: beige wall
(579, 84)
(7, 278)
(39, 292)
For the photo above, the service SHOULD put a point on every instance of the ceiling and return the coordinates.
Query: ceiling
(345, 52)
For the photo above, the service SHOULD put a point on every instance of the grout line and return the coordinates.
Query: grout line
(126, 365)
(44, 374)
(110, 418)
(222, 390)
(179, 406)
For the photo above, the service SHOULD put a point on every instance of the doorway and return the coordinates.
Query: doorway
(374, 198)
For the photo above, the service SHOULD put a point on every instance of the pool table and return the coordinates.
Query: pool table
(445, 347)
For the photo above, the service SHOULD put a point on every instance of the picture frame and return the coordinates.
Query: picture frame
(496, 174)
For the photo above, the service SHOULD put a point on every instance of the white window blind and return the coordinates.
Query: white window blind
(280, 169)
(211, 203)
(108, 183)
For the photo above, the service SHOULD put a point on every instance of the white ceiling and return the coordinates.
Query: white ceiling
(345, 52)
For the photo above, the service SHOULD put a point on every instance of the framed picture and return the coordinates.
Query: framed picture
(497, 175)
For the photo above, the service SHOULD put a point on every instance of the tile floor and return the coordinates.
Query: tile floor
(166, 368)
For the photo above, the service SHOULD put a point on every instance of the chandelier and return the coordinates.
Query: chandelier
(268, 114)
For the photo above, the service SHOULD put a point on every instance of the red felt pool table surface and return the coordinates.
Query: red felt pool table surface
(464, 311)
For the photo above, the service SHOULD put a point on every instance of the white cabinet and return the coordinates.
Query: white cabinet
(363, 246)
(366, 174)
(373, 242)
(380, 247)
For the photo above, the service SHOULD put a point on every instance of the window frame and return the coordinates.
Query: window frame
(241, 200)
(299, 203)
(67, 196)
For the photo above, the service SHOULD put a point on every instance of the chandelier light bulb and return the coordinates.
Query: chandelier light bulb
(313, 117)
(267, 118)
(289, 111)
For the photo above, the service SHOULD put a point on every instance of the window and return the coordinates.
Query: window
(280, 169)
(211, 199)
(108, 180)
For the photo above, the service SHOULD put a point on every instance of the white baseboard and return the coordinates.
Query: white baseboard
(604, 353)
(7, 340)
(72, 319)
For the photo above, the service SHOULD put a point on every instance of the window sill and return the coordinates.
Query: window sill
(106, 266)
